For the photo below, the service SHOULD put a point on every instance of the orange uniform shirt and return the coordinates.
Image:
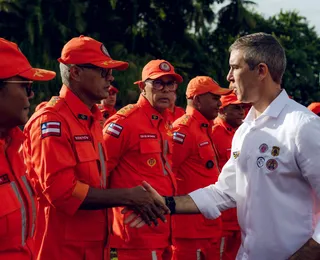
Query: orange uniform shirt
(222, 135)
(18, 203)
(106, 111)
(138, 143)
(64, 153)
(176, 113)
(195, 165)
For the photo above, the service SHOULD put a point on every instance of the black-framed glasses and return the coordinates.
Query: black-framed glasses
(158, 84)
(104, 72)
(27, 84)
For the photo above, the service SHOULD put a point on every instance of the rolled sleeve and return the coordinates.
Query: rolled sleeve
(54, 163)
(308, 158)
(213, 199)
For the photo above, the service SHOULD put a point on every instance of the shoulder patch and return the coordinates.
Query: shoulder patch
(178, 137)
(185, 120)
(114, 130)
(53, 101)
(50, 128)
(127, 110)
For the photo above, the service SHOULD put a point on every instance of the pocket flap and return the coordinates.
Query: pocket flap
(86, 152)
(9, 200)
(150, 146)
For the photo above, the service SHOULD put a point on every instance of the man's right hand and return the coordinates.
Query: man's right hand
(147, 205)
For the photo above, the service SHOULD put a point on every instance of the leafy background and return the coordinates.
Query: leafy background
(192, 34)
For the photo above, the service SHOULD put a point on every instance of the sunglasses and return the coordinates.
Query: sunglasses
(104, 72)
(160, 85)
(27, 84)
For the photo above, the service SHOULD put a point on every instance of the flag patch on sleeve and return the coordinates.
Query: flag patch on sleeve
(178, 137)
(50, 129)
(114, 130)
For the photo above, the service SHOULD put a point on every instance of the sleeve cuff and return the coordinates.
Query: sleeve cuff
(205, 204)
(316, 234)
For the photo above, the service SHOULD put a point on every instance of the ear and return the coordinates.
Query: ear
(221, 110)
(75, 73)
(263, 70)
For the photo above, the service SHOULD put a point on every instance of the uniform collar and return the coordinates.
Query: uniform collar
(78, 108)
(203, 122)
(273, 110)
(225, 125)
(149, 110)
(15, 137)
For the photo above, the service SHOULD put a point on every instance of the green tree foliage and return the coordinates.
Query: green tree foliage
(191, 34)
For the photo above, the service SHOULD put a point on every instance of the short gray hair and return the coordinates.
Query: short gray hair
(263, 48)
(65, 73)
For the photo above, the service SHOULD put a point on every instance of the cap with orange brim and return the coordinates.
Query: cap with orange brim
(14, 63)
(157, 68)
(204, 84)
(84, 50)
(315, 107)
(112, 89)
(230, 99)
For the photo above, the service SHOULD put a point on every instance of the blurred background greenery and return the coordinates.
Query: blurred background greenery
(192, 34)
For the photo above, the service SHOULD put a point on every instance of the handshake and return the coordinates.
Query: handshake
(145, 207)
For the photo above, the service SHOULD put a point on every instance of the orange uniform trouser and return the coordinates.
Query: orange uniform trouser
(230, 243)
(144, 254)
(196, 249)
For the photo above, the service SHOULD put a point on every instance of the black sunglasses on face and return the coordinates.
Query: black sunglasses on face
(158, 84)
(27, 84)
(104, 72)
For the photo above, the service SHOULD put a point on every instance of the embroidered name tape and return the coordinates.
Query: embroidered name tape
(114, 130)
(82, 138)
(204, 143)
(178, 137)
(148, 136)
(50, 129)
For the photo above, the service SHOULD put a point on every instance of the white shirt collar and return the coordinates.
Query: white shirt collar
(273, 110)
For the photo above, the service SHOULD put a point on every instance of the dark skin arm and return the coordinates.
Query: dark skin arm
(309, 251)
(136, 199)
(184, 205)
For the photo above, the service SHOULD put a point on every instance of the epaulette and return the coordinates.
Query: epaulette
(127, 110)
(53, 101)
(100, 106)
(185, 120)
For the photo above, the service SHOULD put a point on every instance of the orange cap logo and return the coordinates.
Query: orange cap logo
(104, 50)
(164, 66)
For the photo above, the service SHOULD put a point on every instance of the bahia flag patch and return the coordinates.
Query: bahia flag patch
(50, 129)
(114, 129)
(178, 137)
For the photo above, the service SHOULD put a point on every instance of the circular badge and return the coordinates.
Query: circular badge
(164, 66)
(209, 164)
(263, 148)
(152, 162)
(104, 50)
(260, 162)
(272, 164)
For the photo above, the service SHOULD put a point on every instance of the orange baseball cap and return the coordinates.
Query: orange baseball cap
(230, 99)
(315, 107)
(83, 50)
(14, 63)
(113, 89)
(156, 69)
(203, 84)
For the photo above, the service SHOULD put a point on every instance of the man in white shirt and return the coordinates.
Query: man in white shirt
(273, 175)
